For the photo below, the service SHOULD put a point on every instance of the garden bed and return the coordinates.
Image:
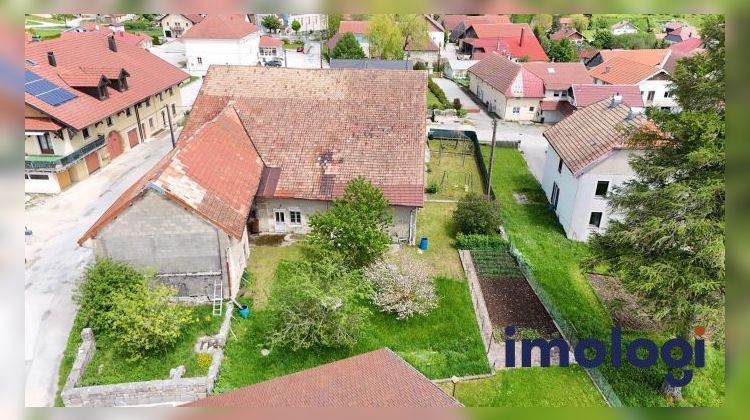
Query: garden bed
(624, 307)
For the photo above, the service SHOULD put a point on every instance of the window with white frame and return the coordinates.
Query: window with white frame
(516, 109)
(295, 217)
(200, 60)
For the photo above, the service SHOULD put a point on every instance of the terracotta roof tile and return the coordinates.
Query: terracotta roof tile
(507, 77)
(564, 107)
(354, 26)
(651, 57)
(621, 70)
(587, 94)
(315, 123)
(221, 27)
(451, 21)
(376, 379)
(40, 124)
(559, 76)
(591, 133)
(215, 172)
(149, 75)
(270, 42)
(518, 39)
(564, 33)
(687, 46)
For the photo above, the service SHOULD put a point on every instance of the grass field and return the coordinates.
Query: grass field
(454, 169)
(262, 266)
(529, 387)
(556, 263)
(108, 366)
(435, 222)
(433, 101)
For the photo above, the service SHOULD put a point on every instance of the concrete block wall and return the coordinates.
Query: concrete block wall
(180, 390)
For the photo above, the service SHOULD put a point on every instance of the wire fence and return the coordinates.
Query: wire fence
(567, 329)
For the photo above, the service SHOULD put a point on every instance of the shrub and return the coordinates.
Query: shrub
(316, 303)
(204, 360)
(478, 241)
(355, 226)
(456, 104)
(461, 112)
(435, 89)
(476, 213)
(432, 188)
(348, 48)
(147, 321)
(403, 287)
(420, 65)
(95, 294)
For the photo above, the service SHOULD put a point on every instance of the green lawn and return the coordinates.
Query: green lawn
(556, 263)
(435, 222)
(108, 366)
(529, 387)
(443, 343)
(293, 45)
(261, 265)
(454, 170)
(433, 101)
(47, 32)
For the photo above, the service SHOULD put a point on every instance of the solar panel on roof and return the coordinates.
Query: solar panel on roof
(45, 90)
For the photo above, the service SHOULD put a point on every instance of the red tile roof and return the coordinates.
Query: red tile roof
(322, 126)
(620, 70)
(433, 25)
(214, 172)
(122, 36)
(511, 34)
(485, 19)
(587, 94)
(354, 26)
(221, 27)
(687, 46)
(81, 79)
(565, 33)
(376, 379)
(270, 42)
(591, 133)
(40, 124)
(426, 46)
(587, 53)
(451, 21)
(672, 25)
(507, 77)
(651, 57)
(195, 17)
(559, 76)
(149, 75)
(564, 107)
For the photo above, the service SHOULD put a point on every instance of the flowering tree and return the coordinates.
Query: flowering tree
(402, 286)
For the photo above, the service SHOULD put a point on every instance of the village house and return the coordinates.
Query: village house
(426, 52)
(458, 30)
(587, 157)
(175, 25)
(358, 28)
(583, 95)
(253, 158)
(649, 69)
(570, 34)
(557, 79)
(623, 27)
(566, 23)
(435, 31)
(458, 69)
(513, 40)
(138, 39)
(675, 31)
(89, 98)
(221, 39)
(377, 378)
(270, 48)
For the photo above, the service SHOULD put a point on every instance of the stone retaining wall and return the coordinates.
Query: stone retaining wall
(166, 391)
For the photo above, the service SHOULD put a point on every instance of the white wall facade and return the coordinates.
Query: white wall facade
(310, 22)
(660, 89)
(201, 53)
(577, 196)
(438, 38)
(626, 29)
(509, 109)
(175, 25)
(404, 218)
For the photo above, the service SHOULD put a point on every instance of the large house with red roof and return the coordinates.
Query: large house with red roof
(175, 25)
(89, 98)
(534, 91)
(513, 40)
(221, 39)
(252, 157)
(358, 28)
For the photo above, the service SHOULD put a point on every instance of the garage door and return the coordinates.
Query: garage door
(133, 137)
(114, 144)
(92, 162)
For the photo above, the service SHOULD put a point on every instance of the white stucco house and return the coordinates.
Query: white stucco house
(587, 157)
(557, 79)
(175, 25)
(506, 87)
(221, 39)
(623, 27)
(436, 32)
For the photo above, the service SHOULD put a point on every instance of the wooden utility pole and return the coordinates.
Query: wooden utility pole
(171, 131)
(492, 156)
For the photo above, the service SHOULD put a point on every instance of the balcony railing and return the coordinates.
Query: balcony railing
(44, 163)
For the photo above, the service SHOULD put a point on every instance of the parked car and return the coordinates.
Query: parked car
(301, 49)
(273, 63)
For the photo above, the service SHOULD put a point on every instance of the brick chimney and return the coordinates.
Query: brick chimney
(520, 41)
(112, 43)
(51, 59)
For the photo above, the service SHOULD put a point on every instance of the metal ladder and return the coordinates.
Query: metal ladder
(218, 298)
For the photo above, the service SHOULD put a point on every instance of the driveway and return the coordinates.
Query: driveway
(189, 92)
(306, 60)
(533, 144)
(55, 261)
(172, 52)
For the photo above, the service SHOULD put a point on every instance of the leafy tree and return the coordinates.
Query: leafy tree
(580, 22)
(147, 322)
(386, 38)
(521, 18)
(456, 104)
(603, 39)
(555, 23)
(669, 244)
(348, 47)
(403, 286)
(333, 24)
(315, 303)
(355, 226)
(542, 38)
(296, 25)
(413, 29)
(562, 51)
(95, 293)
(271, 22)
(420, 65)
(476, 213)
(544, 21)
(636, 41)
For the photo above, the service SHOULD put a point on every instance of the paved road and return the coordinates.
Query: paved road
(307, 60)
(172, 52)
(55, 261)
(189, 92)
(533, 144)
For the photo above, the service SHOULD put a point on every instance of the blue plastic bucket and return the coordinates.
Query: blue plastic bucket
(244, 311)
(423, 244)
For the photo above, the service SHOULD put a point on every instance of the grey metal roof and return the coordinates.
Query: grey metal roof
(337, 63)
